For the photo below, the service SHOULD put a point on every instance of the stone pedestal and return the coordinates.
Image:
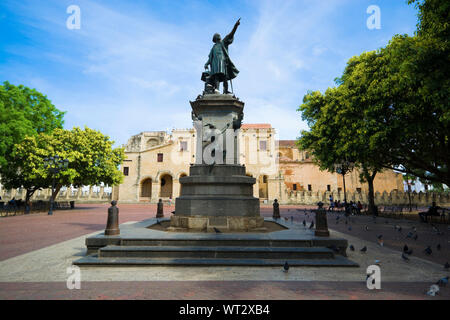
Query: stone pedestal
(217, 192)
(321, 223)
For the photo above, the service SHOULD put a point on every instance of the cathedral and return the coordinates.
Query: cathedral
(156, 160)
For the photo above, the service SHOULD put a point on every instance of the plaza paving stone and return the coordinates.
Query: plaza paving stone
(36, 249)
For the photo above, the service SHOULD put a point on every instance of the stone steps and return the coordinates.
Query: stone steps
(221, 242)
(93, 261)
(213, 252)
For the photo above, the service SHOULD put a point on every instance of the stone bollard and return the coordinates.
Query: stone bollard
(112, 226)
(321, 222)
(276, 210)
(160, 210)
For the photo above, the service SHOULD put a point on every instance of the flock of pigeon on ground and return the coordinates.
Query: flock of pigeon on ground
(405, 256)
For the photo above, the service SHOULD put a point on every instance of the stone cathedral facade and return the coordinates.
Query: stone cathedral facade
(156, 160)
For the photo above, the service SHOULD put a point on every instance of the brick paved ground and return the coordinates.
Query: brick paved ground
(22, 234)
(225, 290)
(391, 237)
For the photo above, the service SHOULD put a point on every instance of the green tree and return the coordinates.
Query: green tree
(390, 108)
(92, 160)
(23, 112)
(348, 122)
(419, 85)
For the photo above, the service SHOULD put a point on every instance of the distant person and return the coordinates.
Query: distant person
(12, 202)
(331, 208)
(360, 207)
(276, 210)
(432, 211)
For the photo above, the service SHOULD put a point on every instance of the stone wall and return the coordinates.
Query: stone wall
(393, 198)
(63, 195)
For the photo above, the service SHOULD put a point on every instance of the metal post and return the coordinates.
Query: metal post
(50, 212)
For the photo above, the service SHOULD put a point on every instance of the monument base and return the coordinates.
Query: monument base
(208, 223)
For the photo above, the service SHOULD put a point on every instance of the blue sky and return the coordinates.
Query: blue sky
(133, 66)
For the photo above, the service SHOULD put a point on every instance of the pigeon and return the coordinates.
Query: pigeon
(446, 266)
(367, 228)
(414, 229)
(304, 223)
(399, 229)
(352, 248)
(434, 290)
(364, 250)
(443, 282)
(286, 267)
(438, 247)
(217, 230)
(312, 225)
(415, 237)
(407, 250)
(428, 250)
(404, 257)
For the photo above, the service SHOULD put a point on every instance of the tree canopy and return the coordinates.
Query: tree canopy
(92, 160)
(23, 112)
(390, 108)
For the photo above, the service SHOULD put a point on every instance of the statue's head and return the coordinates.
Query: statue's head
(216, 38)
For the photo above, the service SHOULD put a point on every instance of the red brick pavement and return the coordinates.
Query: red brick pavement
(219, 290)
(26, 233)
(23, 234)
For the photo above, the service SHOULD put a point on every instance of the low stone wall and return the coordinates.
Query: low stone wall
(420, 199)
(66, 195)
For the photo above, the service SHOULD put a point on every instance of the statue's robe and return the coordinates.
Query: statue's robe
(222, 68)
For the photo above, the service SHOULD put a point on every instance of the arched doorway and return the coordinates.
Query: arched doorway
(146, 188)
(166, 186)
(263, 187)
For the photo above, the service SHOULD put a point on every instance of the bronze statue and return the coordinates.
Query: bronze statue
(222, 69)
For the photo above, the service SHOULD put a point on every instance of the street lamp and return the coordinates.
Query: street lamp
(343, 168)
(55, 165)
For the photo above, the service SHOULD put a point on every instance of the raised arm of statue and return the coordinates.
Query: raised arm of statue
(229, 38)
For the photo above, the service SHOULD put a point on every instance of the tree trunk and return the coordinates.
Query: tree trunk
(373, 210)
(55, 193)
(28, 196)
